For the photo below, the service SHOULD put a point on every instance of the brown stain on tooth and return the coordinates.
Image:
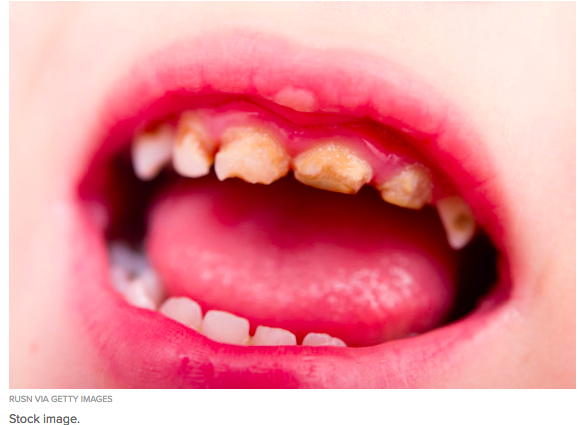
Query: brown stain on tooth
(458, 221)
(252, 154)
(410, 188)
(193, 150)
(333, 167)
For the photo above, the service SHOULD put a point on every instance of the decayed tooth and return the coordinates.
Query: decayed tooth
(183, 310)
(225, 327)
(193, 150)
(409, 188)
(333, 167)
(253, 154)
(320, 339)
(151, 150)
(273, 336)
(458, 221)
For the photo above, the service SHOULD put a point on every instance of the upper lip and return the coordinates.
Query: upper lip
(331, 81)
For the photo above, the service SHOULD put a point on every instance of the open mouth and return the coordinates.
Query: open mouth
(318, 220)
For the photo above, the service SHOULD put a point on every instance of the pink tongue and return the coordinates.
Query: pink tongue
(302, 259)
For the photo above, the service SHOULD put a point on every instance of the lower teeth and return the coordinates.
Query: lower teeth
(133, 277)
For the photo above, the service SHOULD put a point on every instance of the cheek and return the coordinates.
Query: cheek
(47, 349)
(531, 344)
(550, 318)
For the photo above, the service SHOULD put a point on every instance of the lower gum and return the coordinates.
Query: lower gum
(123, 256)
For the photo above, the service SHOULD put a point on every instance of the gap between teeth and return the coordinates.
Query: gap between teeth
(138, 283)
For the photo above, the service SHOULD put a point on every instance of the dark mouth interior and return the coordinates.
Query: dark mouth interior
(113, 184)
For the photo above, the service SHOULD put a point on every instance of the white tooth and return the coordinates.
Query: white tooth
(183, 310)
(120, 278)
(458, 221)
(319, 339)
(273, 336)
(253, 154)
(193, 150)
(150, 151)
(409, 188)
(137, 295)
(152, 285)
(225, 327)
(127, 266)
(332, 166)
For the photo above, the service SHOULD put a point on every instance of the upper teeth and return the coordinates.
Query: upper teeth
(333, 167)
(253, 154)
(458, 221)
(193, 150)
(411, 187)
(258, 153)
(151, 151)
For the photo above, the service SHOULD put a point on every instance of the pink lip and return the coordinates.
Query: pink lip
(140, 348)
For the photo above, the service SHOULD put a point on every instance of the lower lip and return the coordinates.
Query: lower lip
(143, 349)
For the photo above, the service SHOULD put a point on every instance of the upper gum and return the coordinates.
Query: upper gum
(380, 150)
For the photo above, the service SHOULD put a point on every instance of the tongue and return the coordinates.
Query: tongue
(289, 256)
